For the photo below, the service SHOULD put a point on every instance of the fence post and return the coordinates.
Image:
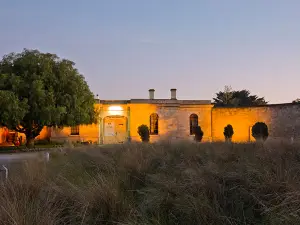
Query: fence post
(47, 156)
(5, 170)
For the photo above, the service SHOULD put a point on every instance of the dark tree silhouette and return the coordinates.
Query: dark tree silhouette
(260, 131)
(228, 132)
(228, 97)
(144, 133)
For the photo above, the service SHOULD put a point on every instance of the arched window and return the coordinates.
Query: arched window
(153, 124)
(193, 123)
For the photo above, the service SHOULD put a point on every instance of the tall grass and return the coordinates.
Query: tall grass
(158, 184)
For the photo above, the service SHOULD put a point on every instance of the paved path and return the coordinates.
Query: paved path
(7, 159)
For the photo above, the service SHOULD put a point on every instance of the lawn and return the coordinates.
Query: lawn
(160, 184)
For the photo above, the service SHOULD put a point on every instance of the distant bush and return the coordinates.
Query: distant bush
(198, 133)
(260, 131)
(144, 133)
(228, 132)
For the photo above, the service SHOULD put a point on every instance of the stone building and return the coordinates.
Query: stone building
(173, 119)
(119, 120)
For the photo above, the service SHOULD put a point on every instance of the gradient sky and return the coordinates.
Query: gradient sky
(125, 47)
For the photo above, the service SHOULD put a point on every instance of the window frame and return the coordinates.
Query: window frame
(75, 128)
(154, 130)
(193, 118)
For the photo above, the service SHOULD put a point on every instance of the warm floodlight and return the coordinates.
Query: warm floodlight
(115, 108)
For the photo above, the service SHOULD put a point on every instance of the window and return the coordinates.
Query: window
(154, 124)
(193, 123)
(75, 130)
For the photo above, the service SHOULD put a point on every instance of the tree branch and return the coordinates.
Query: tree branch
(37, 130)
(19, 129)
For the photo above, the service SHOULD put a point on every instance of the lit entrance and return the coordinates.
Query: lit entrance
(115, 129)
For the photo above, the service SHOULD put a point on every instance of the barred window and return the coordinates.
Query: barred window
(193, 123)
(154, 124)
(75, 130)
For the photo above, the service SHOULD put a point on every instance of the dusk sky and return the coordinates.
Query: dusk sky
(125, 47)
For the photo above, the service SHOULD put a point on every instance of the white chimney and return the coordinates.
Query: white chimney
(173, 94)
(151, 93)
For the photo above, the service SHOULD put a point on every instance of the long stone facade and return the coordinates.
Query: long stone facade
(119, 121)
(283, 120)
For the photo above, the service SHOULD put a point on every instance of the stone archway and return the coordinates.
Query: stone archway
(114, 129)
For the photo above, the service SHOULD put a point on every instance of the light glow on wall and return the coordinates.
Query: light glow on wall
(115, 110)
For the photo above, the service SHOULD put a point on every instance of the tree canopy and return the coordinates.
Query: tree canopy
(229, 97)
(40, 89)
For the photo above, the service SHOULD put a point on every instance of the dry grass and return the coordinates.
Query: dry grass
(158, 184)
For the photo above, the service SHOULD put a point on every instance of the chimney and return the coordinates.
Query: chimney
(173, 94)
(151, 93)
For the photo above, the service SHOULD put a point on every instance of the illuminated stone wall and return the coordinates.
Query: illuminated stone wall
(1, 135)
(140, 114)
(86, 133)
(283, 121)
(173, 120)
(45, 133)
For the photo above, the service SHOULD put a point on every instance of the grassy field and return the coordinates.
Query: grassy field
(158, 184)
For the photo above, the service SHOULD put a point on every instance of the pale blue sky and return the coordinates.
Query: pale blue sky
(125, 47)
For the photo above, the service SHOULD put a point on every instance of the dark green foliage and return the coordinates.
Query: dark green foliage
(198, 133)
(42, 90)
(232, 98)
(12, 110)
(144, 133)
(260, 131)
(297, 101)
(228, 132)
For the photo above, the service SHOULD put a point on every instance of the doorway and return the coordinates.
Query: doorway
(115, 129)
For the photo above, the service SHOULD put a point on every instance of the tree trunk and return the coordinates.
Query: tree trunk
(31, 134)
(29, 142)
(29, 139)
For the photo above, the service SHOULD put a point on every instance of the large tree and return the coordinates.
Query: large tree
(40, 89)
(228, 97)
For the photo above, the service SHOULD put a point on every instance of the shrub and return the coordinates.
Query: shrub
(144, 133)
(198, 133)
(260, 131)
(228, 132)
